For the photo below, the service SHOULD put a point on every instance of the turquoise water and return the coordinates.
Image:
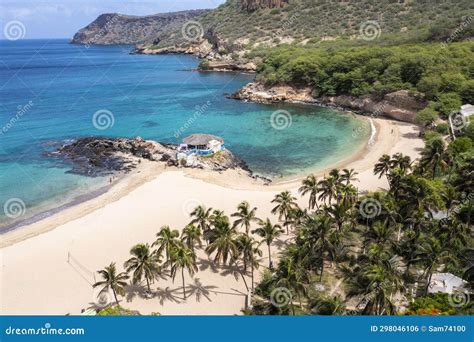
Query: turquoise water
(50, 90)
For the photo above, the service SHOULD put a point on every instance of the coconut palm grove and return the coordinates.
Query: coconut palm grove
(344, 253)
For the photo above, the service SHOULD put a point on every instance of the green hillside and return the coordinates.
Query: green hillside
(312, 21)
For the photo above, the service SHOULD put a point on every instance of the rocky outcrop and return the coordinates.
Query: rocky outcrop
(228, 65)
(201, 50)
(401, 105)
(257, 92)
(94, 156)
(212, 59)
(253, 5)
(114, 28)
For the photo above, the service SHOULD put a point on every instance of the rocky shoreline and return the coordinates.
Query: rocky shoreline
(96, 156)
(210, 59)
(401, 105)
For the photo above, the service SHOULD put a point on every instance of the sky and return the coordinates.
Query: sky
(63, 18)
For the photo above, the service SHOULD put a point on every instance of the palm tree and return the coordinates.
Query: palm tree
(431, 253)
(377, 279)
(449, 195)
(112, 281)
(328, 188)
(401, 162)
(348, 176)
(379, 233)
(201, 217)
(384, 281)
(310, 186)
(218, 217)
(268, 232)
(191, 236)
(292, 275)
(433, 156)
(285, 203)
(326, 305)
(222, 240)
(316, 238)
(296, 217)
(245, 216)
(339, 213)
(348, 195)
(143, 264)
(384, 166)
(182, 258)
(166, 240)
(249, 250)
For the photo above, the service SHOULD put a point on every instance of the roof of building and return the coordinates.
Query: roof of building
(201, 139)
(467, 110)
(445, 282)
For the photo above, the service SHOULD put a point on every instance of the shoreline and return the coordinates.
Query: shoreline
(63, 252)
(237, 180)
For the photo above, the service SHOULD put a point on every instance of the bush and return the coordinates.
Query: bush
(442, 128)
(436, 304)
(426, 116)
(117, 311)
(448, 103)
(460, 145)
(467, 91)
(431, 135)
(469, 131)
(204, 64)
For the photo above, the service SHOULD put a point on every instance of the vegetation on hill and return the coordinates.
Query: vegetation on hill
(311, 21)
(443, 73)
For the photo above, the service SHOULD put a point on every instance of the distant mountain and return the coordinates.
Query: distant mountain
(114, 28)
(238, 28)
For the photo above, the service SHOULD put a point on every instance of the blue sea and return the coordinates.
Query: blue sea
(52, 92)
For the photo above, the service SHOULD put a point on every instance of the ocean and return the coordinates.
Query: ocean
(52, 92)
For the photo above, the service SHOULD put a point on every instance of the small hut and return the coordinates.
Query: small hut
(202, 144)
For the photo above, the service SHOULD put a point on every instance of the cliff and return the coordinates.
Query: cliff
(401, 105)
(114, 28)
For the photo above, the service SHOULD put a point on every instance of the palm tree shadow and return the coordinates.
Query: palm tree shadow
(231, 270)
(279, 244)
(97, 308)
(205, 264)
(222, 269)
(167, 294)
(199, 290)
(133, 290)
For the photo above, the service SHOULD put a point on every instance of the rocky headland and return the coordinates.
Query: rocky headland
(401, 105)
(114, 28)
(96, 156)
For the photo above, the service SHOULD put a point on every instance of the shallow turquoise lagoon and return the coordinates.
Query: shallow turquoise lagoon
(50, 90)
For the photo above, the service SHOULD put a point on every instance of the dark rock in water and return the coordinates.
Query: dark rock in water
(101, 156)
(95, 157)
(150, 123)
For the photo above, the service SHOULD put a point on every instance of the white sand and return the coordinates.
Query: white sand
(36, 277)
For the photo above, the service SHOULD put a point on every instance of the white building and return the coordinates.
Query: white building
(446, 283)
(201, 144)
(459, 120)
(467, 110)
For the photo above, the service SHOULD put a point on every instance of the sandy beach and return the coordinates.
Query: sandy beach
(48, 267)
